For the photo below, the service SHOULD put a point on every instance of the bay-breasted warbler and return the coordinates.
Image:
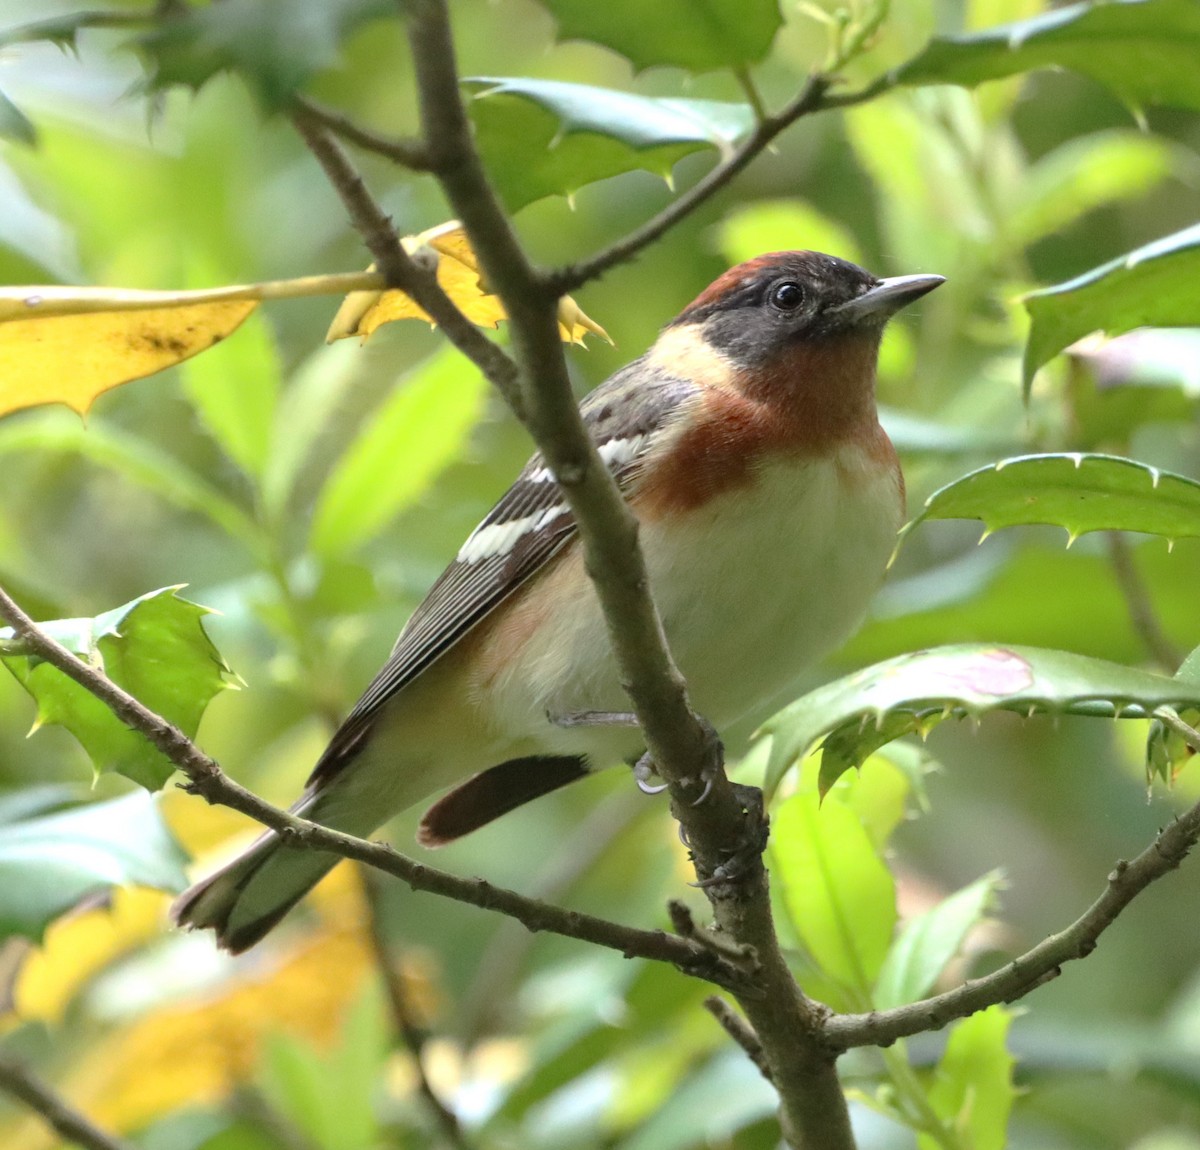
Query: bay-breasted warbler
(746, 440)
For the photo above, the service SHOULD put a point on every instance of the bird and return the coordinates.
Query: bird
(747, 442)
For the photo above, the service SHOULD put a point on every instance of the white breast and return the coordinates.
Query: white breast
(753, 589)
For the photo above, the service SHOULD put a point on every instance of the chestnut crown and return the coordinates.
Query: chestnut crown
(757, 309)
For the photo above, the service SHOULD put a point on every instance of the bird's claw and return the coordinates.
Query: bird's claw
(643, 772)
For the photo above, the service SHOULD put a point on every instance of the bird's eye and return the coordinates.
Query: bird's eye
(787, 296)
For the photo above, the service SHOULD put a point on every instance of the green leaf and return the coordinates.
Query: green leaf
(839, 895)
(234, 387)
(63, 31)
(699, 35)
(133, 458)
(1153, 286)
(1143, 50)
(330, 1095)
(156, 649)
(1085, 174)
(1166, 748)
(910, 694)
(548, 137)
(420, 430)
(50, 864)
(14, 124)
(275, 46)
(928, 943)
(317, 390)
(972, 1089)
(1077, 492)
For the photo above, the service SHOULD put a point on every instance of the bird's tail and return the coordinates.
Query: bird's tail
(247, 897)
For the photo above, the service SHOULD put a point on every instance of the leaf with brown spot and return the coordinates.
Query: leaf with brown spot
(71, 344)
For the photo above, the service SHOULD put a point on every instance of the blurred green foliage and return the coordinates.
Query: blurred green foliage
(311, 494)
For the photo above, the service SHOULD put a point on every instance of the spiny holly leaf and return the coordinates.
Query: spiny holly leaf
(1166, 749)
(700, 35)
(275, 45)
(929, 942)
(911, 694)
(14, 124)
(156, 649)
(64, 30)
(1078, 492)
(1153, 286)
(1143, 50)
(547, 137)
(50, 864)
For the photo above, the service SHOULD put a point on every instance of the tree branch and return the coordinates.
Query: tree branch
(408, 154)
(740, 1031)
(401, 270)
(684, 750)
(407, 1029)
(1043, 962)
(1141, 609)
(22, 1084)
(208, 780)
(813, 97)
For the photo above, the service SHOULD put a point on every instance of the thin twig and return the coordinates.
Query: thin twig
(407, 153)
(208, 780)
(19, 1081)
(400, 269)
(1137, 603)
(410, 1032)
(1043, 962)
(740, 1031)
(813, 97)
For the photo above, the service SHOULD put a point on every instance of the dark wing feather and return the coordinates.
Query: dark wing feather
(625, 411)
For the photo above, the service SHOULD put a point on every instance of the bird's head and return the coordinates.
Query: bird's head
(775, 304)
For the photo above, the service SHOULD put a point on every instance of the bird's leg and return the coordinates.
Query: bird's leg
(643, 769)
(595, 719)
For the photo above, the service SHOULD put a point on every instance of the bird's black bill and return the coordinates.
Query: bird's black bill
(888, 296)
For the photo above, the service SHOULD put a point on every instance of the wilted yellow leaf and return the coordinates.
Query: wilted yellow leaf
(459, 276)
(71, 344)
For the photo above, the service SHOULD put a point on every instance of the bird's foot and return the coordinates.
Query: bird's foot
(746, 855)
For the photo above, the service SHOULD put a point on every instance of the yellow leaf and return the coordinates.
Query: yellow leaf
(70, 344)
(459, 277)
(72, 359)
(77, 947)
(194, 1053)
